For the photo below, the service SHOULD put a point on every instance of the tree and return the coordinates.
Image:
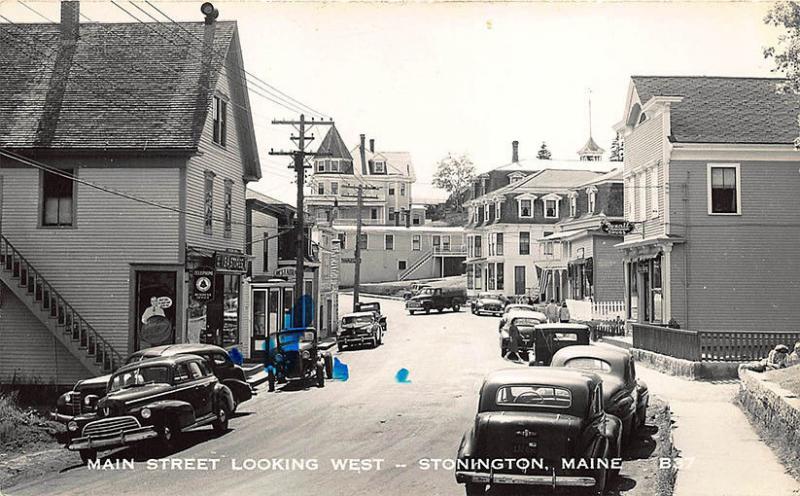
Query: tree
(454, 175)
(544, 152)
(617, 149)
(786, 53)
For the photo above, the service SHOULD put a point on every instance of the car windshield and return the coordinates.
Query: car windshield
(527, 321)
(534, 396)
(157, 374)
(519, 307)
(590, 364)
(358, 319)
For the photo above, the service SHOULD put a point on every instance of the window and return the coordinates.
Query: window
(228, 207)
(478, 251)
(415, 220)
(57, 198)
(446, 243)
(498, 208)
(265, 248)
(524, 243)
(209, 203)
(401, 265)
(391, 190)
(641, 198)
(320, 188)
(334, 188)
(535, 396)
(490, 277)
(391, 213)
(548, 248)
(320, 166)
(389, 242)
(500, 268)
(373, 213)
(525, 208)
(512, 178)
(363, 241)
(653, 193)
(499, 244)
(380, 166)
(334, 165)
(220, 114)
(724, 183)
(402, 189)
(416, 241)
(194, 370)
(181, 373)
(592, 195)
(573, 205)
(550, 209)
(342, 240)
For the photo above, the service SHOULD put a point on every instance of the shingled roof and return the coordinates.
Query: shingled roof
(333, 146)
(725, 109)
(121, 86)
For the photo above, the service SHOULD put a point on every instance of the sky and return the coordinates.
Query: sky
(439, 78)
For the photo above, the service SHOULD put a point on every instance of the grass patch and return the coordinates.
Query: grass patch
(23, 429)
(788, 378)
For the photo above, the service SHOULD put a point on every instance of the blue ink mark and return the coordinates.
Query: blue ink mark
(236, 356)
(340, 370)
(402, 376)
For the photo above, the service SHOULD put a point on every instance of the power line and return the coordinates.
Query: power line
(35, 11)
(243, 70)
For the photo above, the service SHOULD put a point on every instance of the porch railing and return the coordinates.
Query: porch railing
(719, 346)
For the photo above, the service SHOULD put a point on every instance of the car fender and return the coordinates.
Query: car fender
(164, 411)
(612, 430)
(240, 389)
(223, 394)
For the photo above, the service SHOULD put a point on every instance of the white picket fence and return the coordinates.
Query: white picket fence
(596, 310)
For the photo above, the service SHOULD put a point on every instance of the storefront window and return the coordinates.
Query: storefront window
(230, 327)
(658, 311)
(633, 291)
(490, 277)
(500, 268)
(155, 304)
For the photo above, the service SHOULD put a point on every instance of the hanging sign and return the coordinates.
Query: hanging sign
(617, 228)
(203, 284)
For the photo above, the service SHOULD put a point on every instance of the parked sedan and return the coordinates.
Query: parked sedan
(487, 303)
(541, 427)
(625, 396)
(85, 394)
(359, 328)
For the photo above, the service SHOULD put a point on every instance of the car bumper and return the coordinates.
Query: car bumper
(498, 313)
(552, 480)
(60, 417)
(112, 441)
(346, 340)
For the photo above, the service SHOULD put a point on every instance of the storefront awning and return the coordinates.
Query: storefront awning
(564, 235)
(655, 240)
(552, 265)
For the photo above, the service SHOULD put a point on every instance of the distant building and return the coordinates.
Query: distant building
(713, 179)
(516, 206)
(89, 275)
(392, 221)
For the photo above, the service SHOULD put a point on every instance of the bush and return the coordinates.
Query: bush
(23, 428)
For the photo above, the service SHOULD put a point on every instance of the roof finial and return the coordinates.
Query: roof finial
(590, 112)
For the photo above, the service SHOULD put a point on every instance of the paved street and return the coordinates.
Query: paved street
(369, 416)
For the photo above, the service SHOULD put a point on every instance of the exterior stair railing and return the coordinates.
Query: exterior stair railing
(416, 265)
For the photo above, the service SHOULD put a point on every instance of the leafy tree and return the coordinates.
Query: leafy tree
(544, 152)
(786, 54)
(617, 149)
(454, 175)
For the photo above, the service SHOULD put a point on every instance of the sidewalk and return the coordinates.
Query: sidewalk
(721, 453)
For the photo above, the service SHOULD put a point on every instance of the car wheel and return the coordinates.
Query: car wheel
(223, 415)
(411, 312)
(169, 436)
(328, 366)
(88, 455)
(427, 310)
(320, 375)
(475, 489)
(503, 352)
(456, 307)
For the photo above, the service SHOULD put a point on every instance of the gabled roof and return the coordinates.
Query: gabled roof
(725, 109)
(614, 175)
(590, 148)
(333, 146)
(123, 86)
(397, 163)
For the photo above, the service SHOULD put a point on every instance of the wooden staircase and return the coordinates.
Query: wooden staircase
(66, 324)
(416, 265)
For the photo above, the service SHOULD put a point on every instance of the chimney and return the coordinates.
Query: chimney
(515, 151)
(372, 146)
(363, 155)
(210, 12)
(70, 21)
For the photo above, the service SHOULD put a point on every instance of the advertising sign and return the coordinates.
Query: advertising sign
(203, 284)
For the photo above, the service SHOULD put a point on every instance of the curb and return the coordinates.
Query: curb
(696, 371)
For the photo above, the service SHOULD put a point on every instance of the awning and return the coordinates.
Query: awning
(564, 235)
(552, 265)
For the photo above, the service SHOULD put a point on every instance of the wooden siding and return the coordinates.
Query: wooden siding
(644, 147)
(90, 263)
(225, 163)
(31, 354)
(260, 219)
(609, 277)
(743, 270)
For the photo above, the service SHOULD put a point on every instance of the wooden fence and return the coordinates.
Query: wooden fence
(719, 346)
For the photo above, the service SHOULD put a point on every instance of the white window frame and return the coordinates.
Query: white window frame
(519, 208)
(573, 204)
(334, 187)
(402, 262)
(334, 165)
(641, 197)
(554, 198)
(386, 238)
(320, 166)
(591, 193)
(380, 166)
(653, 190)
(402, 189)
(738, 187)
(416, 238)
(515, 176)
(321, 188)
(498, 208)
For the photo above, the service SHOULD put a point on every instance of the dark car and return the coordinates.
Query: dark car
(375, 308)
(487, 304)
(157, 398)
(549, 338)
(85, 393)
(437, 298)
(540, 427)
(294, 355)
(524, 322)
(358, 329)
(624, 396)
(514, 307)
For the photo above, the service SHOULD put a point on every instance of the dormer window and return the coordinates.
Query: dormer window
(334, 165)
(591, 192)
(525, 205)
(498, 208)
(514, 177)
(380, 166)
(322, 165)
(551, 204)
(573, 204)
(642, 117)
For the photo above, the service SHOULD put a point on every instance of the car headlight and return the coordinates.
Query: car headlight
(68, 397)
(72, 426)
(306, 354)
(87, 400)
(146, 413)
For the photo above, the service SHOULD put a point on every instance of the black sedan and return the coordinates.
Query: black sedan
(625, 396)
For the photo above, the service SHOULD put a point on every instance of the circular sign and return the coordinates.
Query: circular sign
(164, 301)
(203, 284)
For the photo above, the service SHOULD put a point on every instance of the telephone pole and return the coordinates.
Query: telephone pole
(359, 220)
(299, 165)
